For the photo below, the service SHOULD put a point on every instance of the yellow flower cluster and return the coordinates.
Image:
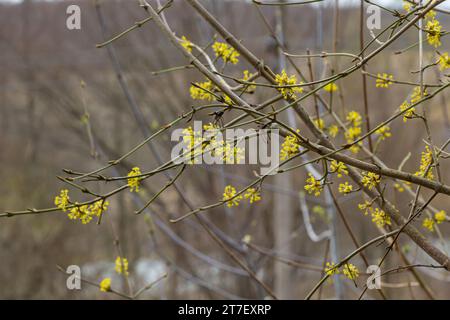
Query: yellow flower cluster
(331, 268)
(407, 6)
(384, 132)
(226, 52)
(284, 80)
(133, 181)
(105, 285)
(366, 207)
(354, 131)
(380, 218)
(253, 195)
(290, 147)
(186, 44)
(121, 266)
(202, 91)
(416, 95)
(229, 195)
(426, 161)
(370, 180)
(399, 187)
(428, 223)
(444, 61)
(63, 200)
(333, 130)
(409, 113)
(331, 87)
(349, 270)
(313, 185)
(433, 29)
(191, 139)
(354, 118)
(86, 213)
(384, 80)
(246, 77)
(338, 167)
(319, 123)
(440, 216)
(345, 188)
(208, 144)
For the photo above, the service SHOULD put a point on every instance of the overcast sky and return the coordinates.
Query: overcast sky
(344, 2)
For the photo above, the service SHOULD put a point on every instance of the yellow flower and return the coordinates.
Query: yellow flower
(228, 195)
(407, 6)
(194, 144)
(409, 113)
(381, 218)
(331, 87)
(331, 268)
(313, 185)
(78, 212)
(231, 154)
(202, 91)
(105, 285)
(353, 133)
(399, 187)
(289, 147)
(384, 132)
(433, 29)
(226, 52)
(121, 266)
(366, 207)
(186, 44)
(354, 148)
(320, 124)
(253, 195)
(355, 118)
(98, 207)
(370, 180)
(345, 188)
(133, 183)
(350, 271)
(444, 61)
(384, 80)
(62, 201)
(426, 161)
(428, 224)
(333, 130)
(339, 168)
(284, 80)
(416, 95)
(440, 216)
(246, 77)
(85, 213)
(431, 15)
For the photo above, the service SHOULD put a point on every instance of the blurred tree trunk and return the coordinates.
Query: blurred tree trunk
(282, 207)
